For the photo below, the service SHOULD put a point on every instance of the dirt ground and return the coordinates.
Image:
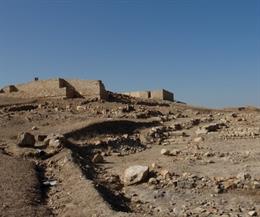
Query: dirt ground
(202, 162)
(21, 192)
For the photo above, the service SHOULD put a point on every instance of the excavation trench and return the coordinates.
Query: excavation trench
(82, 155)
(81, 166)
(115, 127)
(44, 189)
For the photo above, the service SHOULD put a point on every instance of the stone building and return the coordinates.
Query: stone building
(57, 88)
(153, 94)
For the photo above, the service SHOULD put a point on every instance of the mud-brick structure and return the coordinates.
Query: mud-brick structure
(153, 94)
(57, 88)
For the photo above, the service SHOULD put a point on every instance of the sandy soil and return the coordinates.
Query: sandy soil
(21, 192)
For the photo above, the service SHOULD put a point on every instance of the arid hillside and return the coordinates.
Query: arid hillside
(127, 157)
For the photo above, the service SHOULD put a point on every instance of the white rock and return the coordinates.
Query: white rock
(252, 213)
(165, 151)
(201, 131)
(165, 173)
(155, 166)
(80, 108)
(175, 152)
(35, 128)
(198, 139)
(256, 185)
(54, 141)
(135, 174)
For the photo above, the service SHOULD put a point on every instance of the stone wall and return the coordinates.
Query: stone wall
(89, 88)
(71, 88)
(139, 94)
(162, 94)
(38, 89)
(57, 88)
(155, 94)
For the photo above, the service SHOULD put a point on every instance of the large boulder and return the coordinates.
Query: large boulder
(26, 140)
(135, 174)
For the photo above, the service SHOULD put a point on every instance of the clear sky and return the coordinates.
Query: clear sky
(206, 51)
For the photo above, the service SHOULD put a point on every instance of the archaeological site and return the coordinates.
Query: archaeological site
(72, 148)
(57, 88)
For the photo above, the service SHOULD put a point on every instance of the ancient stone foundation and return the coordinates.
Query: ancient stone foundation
(57, 88)
(162, 94)
(154, 94)
(139, 94)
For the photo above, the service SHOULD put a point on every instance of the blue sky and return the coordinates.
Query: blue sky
(206, 51)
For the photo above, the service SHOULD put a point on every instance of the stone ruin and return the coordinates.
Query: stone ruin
(154, 94)
(57, 88)
(71, 88)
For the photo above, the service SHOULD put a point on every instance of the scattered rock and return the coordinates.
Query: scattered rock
(165, 173)
(218, 189)
(201, 131)
(175, 152)
(54, 141)
(195, 122)
(243, 176)
(165, 151)
(198, 139)
(234, 115)
(155, 166)
(41, 138)
(208, 154)
(252, 213)
(98, 158)
(212, 127)
(128, 108)
(35, 128)
(229, 184)
(152, 181)
(135, 174)
(50, 183)
(26, 140)
(177, 127)
(256, 185)
(81, 108)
